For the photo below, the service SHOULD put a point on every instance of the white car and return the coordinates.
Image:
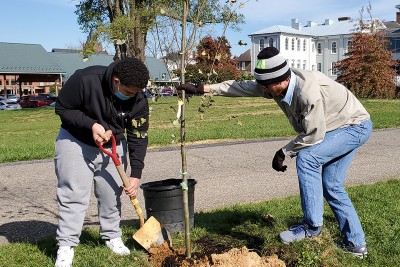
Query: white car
(12, 99)
(9, 105)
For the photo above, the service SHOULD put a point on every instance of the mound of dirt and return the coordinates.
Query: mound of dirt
(164, 255)
(244, 258)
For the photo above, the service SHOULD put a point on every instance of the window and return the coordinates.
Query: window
(334, 71)
(298, 45)
(304, 45)
(238, 66)
(319, 67)
(261, 44)
(349, 45)
(333, 48)
(292, 65)
(287, 43)
(12, 82)
(1, 82)
(298, 64)
(293, 43)
(304, 64)
(243, 65)
(319, 48)
(271, 42)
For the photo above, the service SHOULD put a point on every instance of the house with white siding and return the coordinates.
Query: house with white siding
(312, 46)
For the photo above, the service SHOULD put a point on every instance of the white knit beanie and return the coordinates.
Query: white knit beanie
(271, 67)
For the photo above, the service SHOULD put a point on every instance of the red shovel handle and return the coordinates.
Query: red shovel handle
(113, 153)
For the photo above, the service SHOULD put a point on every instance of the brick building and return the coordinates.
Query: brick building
(30, 69)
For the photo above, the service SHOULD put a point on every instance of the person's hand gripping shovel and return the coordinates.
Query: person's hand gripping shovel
(151, 232)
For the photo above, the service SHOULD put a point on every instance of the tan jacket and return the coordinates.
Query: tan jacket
(319, 105)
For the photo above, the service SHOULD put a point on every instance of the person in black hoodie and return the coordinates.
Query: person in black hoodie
(94, 100)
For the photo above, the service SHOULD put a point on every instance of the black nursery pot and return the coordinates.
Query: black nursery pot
(164, 200)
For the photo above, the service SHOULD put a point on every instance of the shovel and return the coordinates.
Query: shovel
(151, 233)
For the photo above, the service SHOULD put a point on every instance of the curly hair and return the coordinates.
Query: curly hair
(132, 72)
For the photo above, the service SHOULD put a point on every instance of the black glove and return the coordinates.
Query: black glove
(191, 88)
(277, 162)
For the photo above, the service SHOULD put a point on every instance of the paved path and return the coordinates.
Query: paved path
(226, 174)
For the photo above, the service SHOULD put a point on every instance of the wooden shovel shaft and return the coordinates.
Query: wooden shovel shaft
(134, 200)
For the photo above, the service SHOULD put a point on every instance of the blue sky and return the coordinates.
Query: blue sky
(53, 23)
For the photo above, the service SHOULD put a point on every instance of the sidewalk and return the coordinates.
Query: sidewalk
(226, 174)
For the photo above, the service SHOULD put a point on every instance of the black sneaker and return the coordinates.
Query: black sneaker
(360, 252)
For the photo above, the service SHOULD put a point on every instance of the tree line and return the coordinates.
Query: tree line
(139, 27)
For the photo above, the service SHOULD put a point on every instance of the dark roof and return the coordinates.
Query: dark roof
(246, 56)
(32, 62)
(66, 50)
(158, 70)
(70, 62)
(392, 24)
(18, 58)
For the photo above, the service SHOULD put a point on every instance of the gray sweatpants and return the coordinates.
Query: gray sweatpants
(77, 167)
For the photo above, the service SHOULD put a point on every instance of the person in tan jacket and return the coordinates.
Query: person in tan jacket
(331, 124)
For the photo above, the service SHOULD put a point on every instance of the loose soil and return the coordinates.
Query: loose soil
(165, 256)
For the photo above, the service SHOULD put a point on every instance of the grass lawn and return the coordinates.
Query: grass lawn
(255, 226)
(30, 134)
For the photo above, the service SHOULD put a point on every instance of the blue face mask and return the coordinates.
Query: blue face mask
(122, 96)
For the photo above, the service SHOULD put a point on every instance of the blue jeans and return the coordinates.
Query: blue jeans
(321, 171)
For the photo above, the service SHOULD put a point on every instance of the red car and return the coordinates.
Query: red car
(167, 92)
(34, 101)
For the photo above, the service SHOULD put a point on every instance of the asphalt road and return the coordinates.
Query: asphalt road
(226, 174)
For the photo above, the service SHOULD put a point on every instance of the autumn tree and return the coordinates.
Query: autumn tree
(126, 23)
(369, 69)
(164, 37)
(214, 62)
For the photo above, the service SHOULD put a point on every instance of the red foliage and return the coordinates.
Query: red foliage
(214, 62)
(369, 70)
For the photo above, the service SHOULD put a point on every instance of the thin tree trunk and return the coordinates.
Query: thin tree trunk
(183, 145)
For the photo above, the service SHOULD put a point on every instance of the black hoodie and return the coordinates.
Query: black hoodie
(88, 98)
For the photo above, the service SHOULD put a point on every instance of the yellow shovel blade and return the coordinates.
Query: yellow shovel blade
(151, 234)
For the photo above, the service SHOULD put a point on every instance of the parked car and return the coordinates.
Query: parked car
(167, 91)
(48, 95)
(12, 98)
(52, 105)
(9, 106)
(147, 93)
(34, 101)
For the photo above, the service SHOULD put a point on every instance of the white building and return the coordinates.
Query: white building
(314, 46)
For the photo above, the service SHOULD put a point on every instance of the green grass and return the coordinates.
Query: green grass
(30, 134)
(255, 226)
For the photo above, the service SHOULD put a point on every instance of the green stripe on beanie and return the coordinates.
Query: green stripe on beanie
(271, 66)
(260, 64)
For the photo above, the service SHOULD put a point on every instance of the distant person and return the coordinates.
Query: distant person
(331, 125)
(92, 101)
